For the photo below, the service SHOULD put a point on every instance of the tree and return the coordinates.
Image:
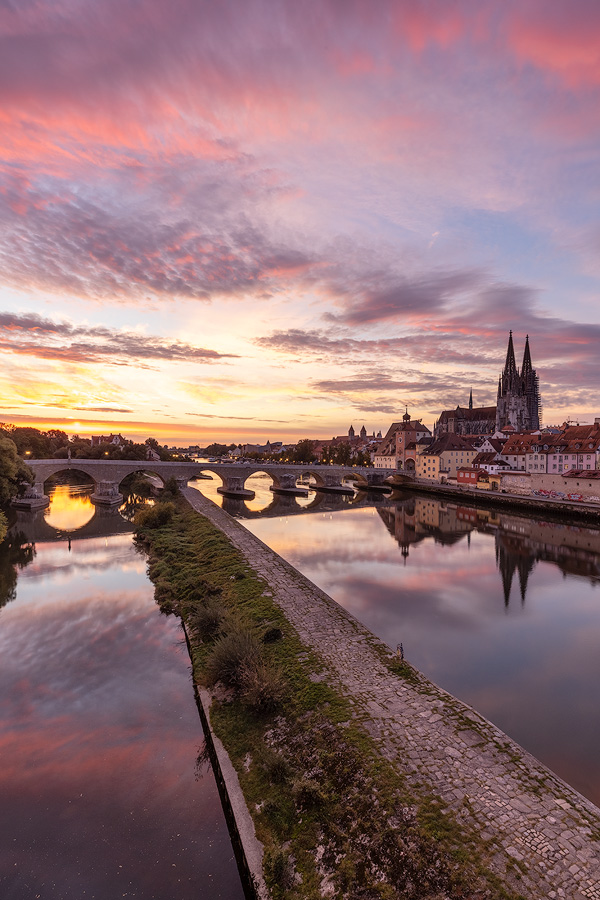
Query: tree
(133, 451)
(303, 451)
(343, 454)
(363, 458)
(15, 553)
(218, 449)
(13, 471)
(33, 443)
(165, 455)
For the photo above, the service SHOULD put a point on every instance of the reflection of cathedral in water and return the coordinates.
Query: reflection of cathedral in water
(520, 542)
(511, 558)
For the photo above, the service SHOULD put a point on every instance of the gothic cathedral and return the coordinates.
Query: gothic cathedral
(519, 403)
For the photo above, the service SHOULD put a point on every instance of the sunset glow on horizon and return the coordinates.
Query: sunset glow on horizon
(260, 219)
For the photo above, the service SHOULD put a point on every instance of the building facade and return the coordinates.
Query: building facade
(444, 456)
(466, 420)
(398, 449)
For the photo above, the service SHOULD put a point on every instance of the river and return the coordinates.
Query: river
(101, 789)
(503, 611)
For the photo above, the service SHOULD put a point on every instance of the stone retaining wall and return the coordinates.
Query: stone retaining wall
(545, 836)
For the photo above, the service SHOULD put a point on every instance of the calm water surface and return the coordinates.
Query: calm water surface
(502, 611)
(100, 792)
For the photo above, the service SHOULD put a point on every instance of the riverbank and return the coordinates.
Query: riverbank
(439, 777)
(553, 510)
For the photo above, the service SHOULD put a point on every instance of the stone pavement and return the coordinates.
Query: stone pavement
(536, 821)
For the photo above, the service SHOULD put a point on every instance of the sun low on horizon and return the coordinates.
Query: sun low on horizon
(260, 219)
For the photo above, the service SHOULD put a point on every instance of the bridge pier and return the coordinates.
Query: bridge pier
(33, 498)
(233, 486)
(287, 485)
(373, 481)
(106, 493)
(331, 484)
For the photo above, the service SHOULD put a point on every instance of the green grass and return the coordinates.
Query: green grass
(327, 807)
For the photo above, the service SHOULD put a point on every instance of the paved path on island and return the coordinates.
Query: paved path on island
(536, 820)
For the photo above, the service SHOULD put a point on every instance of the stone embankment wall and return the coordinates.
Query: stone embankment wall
(531, 819)
(555, 510)
(530, 484)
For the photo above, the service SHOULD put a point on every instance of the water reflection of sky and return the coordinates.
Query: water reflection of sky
(99, 736)
(70, 507)
(531, 667)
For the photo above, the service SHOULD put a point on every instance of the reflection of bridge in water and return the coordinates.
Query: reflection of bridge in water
(36, 529)
(106, 521)
(287, 505)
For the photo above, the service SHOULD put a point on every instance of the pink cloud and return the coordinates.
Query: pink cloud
(559, 38)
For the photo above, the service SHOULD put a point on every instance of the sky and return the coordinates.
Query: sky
(260, 219)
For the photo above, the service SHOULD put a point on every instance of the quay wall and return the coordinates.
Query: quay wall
(555, 510)
(536, 825)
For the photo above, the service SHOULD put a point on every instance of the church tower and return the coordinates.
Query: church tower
(519, 403)
(531, 388)
(351, 432)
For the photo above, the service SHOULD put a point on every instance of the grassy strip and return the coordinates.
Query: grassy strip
(335, 818)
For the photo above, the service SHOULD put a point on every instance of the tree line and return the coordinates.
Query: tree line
(341, 454)
(33, 443)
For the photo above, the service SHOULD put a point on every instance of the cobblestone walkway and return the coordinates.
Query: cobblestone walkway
(536, 820)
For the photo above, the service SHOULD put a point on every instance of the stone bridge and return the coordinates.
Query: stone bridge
(107, 476)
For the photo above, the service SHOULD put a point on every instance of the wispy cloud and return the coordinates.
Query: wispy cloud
(33, 335)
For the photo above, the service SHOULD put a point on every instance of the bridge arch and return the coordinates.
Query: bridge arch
(143, 470)
(261, 481)
(313, 475)
(208, 481)
(79, 467)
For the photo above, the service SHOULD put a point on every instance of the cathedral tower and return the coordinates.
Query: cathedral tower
(519, 403)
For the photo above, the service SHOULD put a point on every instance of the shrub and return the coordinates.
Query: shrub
(271, 635)
(308, 794)
(141, 487)
(155, 516)
(171, 486)
(231, 656)
(279, 869)
(207, 619)
(278, 770)
(164, 595)
(262, 686)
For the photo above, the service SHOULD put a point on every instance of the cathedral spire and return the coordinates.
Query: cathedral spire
(526, 367)
(471, 399)
(525, 568)
(510, 366)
